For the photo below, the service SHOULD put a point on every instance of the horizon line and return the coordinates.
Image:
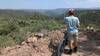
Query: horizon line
(43, 8)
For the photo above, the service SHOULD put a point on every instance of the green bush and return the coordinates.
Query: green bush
(18, 39)
(6, 28)
(53, 25)
(6, 41)
(45, 24)
(13, 28)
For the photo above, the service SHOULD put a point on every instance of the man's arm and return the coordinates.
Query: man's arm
(65, 21)
(78, 23)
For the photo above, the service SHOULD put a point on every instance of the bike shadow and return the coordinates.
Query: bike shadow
(53, 48)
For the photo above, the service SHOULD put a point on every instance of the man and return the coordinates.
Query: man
(73, 24)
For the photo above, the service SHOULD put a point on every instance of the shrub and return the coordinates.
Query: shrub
(6, 28)
(6, 41)
(18, 39)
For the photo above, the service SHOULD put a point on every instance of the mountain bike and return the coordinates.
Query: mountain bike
(62, 44)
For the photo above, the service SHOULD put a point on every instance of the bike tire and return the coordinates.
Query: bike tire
(60, 48)
(62, 45)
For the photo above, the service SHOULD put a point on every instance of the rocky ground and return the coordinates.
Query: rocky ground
(45, 44)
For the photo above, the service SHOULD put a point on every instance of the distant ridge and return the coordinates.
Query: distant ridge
(49, 12)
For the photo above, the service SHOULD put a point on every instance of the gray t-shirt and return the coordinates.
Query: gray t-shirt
(72, 23)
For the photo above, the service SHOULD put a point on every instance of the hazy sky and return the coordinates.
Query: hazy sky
(48, 4)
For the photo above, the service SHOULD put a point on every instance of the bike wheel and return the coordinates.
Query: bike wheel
(62, 44)
(60, 48)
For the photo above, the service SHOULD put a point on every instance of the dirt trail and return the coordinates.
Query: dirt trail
(46, 45)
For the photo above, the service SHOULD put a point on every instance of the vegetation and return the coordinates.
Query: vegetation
(87, 17)
(90, 18)
(14, 24)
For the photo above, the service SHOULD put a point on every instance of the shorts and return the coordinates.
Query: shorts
(72, 36)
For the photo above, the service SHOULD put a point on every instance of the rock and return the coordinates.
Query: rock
(34, 39)
(18, 46)
(39, 35)
(23, 43)
(31, 40)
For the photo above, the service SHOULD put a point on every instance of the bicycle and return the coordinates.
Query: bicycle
(62, 44)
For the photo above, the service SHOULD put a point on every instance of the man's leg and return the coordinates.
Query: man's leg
(70, 45)
(75, 44)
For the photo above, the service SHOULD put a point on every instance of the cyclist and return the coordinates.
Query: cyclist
(73, 24)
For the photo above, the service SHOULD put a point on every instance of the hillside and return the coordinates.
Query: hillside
(18, 29)
(89, 15)
(47, 45)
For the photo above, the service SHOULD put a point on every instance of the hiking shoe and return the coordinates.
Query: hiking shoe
(66, 51)
(69, 52)
(75, 50)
